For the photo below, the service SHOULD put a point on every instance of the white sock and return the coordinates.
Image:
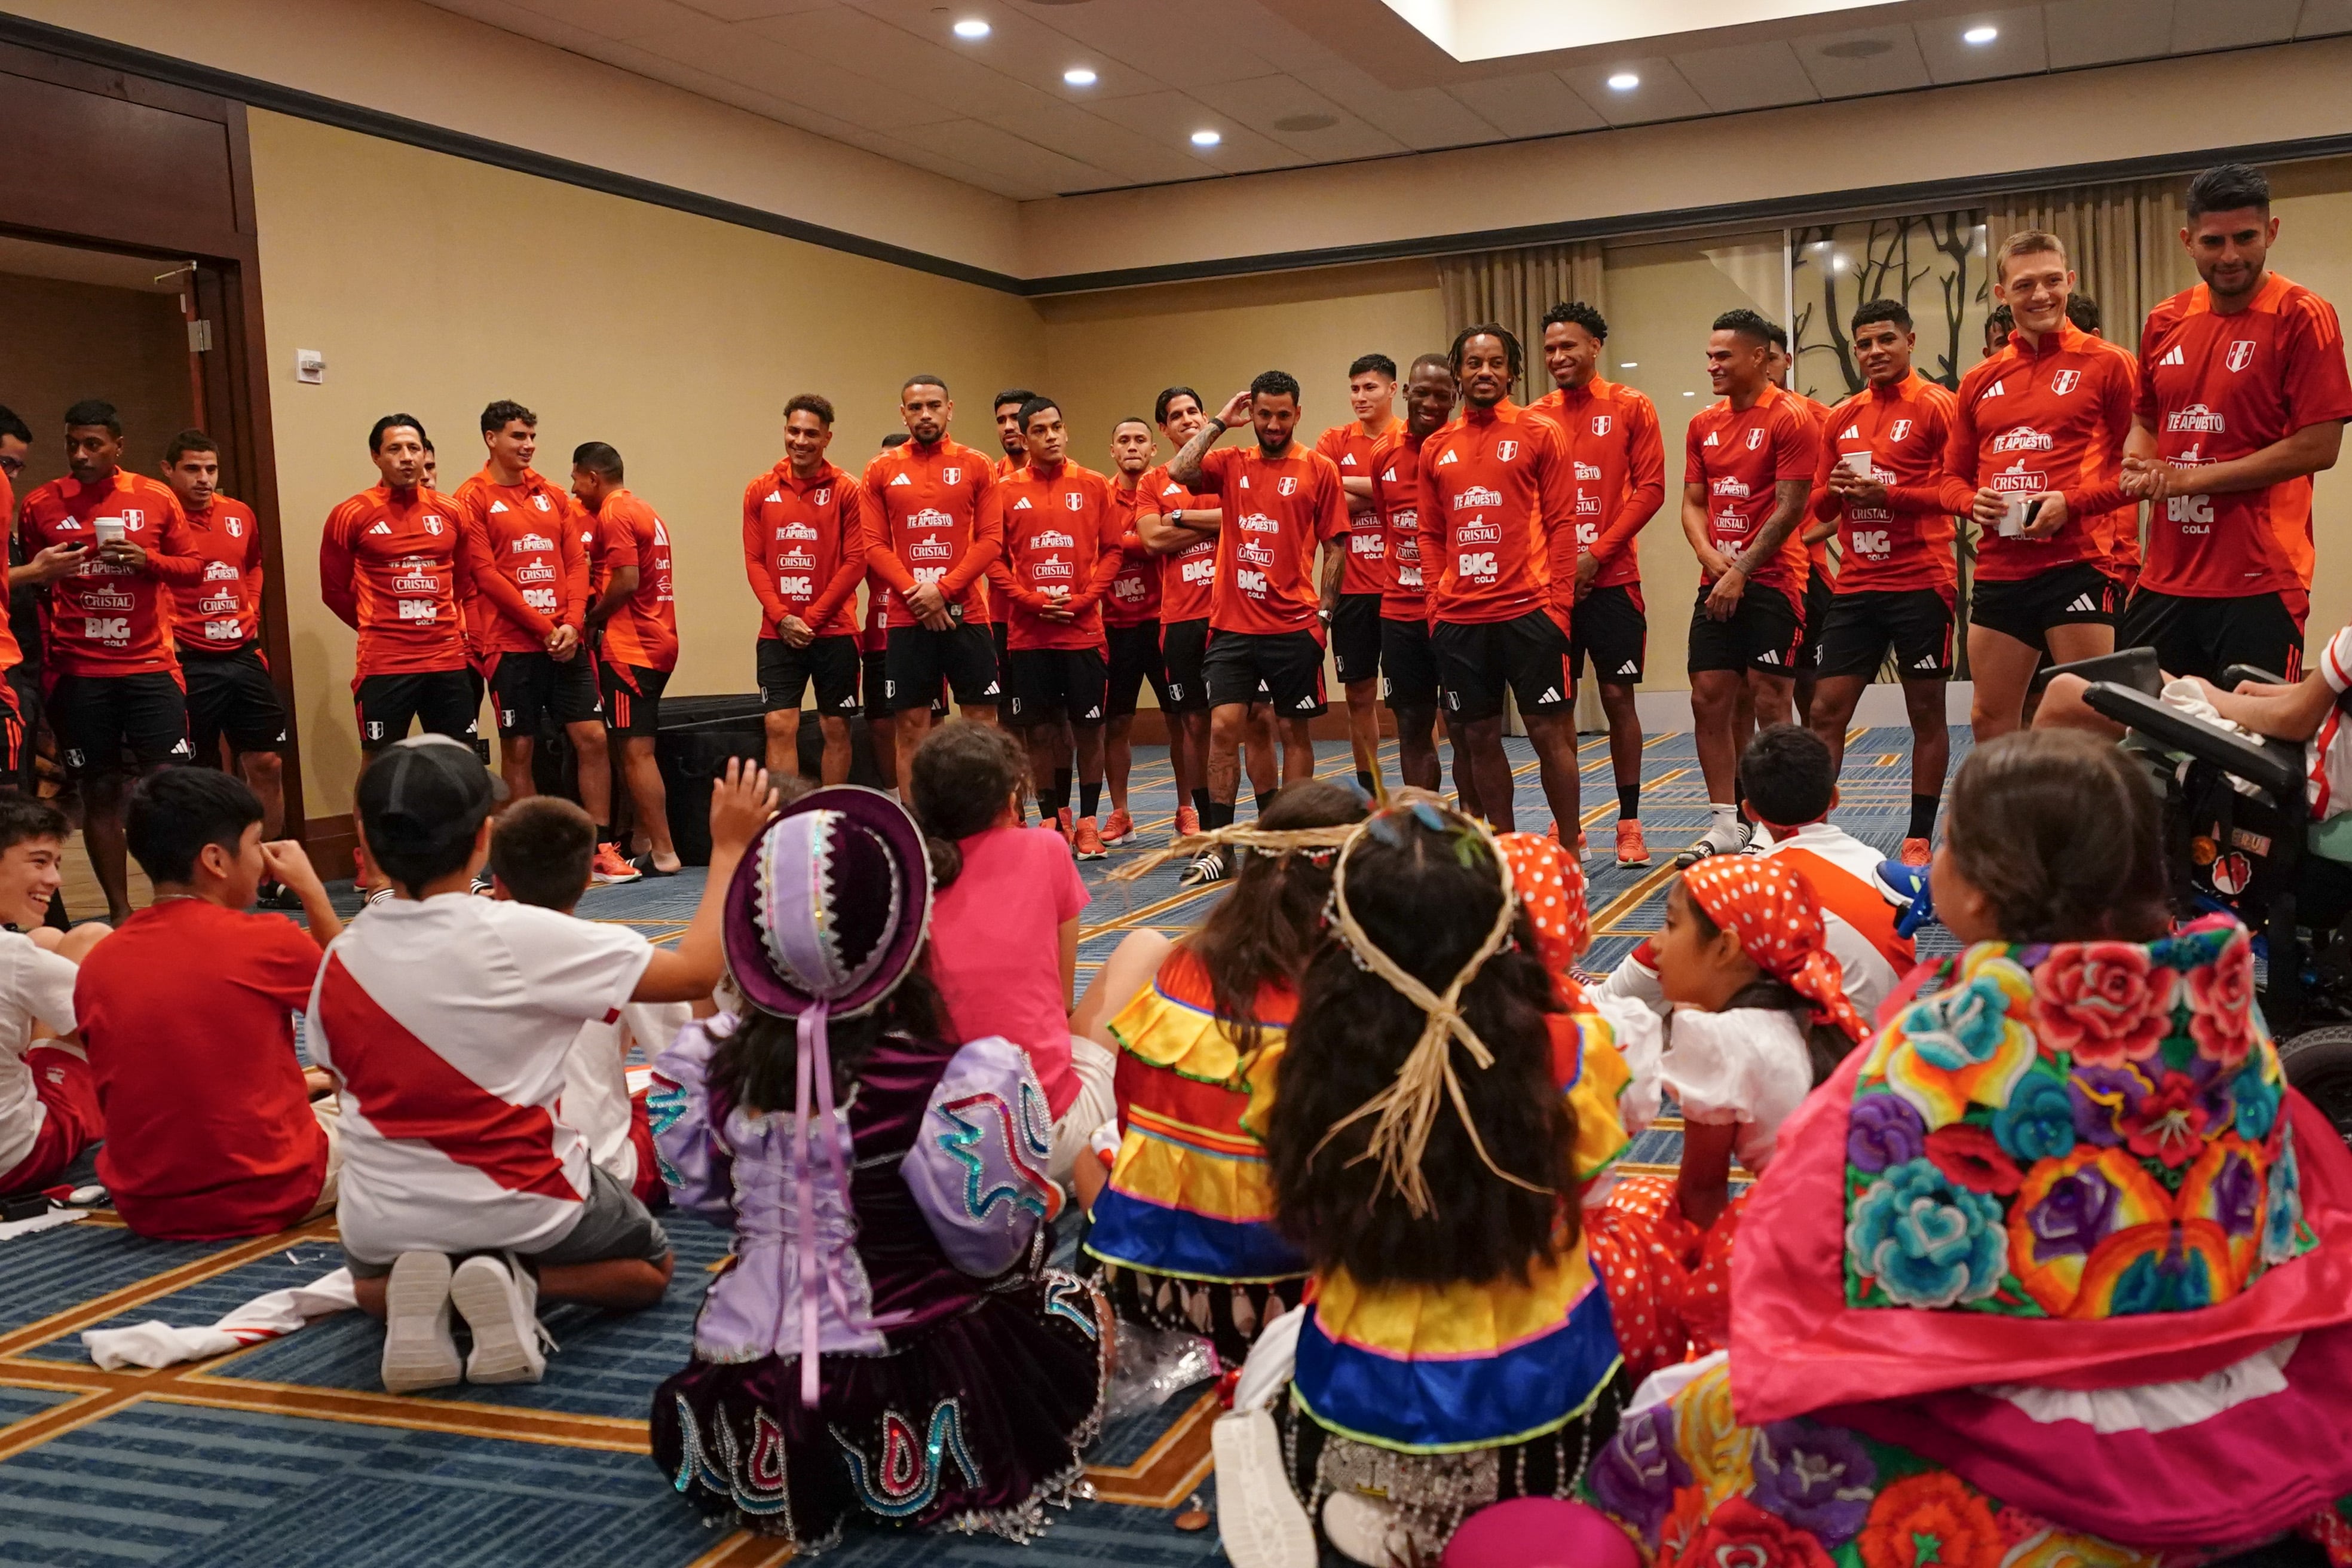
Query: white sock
(1723, 828)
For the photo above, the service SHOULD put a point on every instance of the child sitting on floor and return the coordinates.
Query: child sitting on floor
(49, 1100)
(886, 1344)
(448, 1020)
(1004, 934)
(540, 856)
(1184, 1230)
(187, 1013)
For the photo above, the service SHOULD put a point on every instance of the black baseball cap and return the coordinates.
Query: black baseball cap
(424, 793)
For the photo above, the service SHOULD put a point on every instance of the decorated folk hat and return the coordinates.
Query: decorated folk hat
(830, 904)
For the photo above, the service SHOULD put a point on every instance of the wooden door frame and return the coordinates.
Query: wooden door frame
(188, 196)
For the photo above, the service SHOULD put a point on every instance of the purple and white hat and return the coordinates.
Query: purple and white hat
(831, 905)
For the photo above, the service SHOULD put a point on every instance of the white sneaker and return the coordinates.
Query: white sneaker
(498, 1304)
(1366, 1530)
(418, 1353)
(1717, 840)
(1259, 1518)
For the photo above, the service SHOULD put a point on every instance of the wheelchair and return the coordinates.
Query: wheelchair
(2240, 839)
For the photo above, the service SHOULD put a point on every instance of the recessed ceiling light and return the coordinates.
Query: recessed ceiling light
(1625, 81)
(1078, 75)
(1980, 34)
(1206, 138)
(971, 28)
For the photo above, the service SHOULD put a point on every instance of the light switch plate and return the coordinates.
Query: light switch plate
(310, 365)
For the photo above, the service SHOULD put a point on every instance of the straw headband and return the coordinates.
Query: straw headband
(1318, 844)
(1405, 1111)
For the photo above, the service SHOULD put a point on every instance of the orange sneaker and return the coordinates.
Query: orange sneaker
(1061, 824)
(1087, 841)
(1917, 852)
(608, 867)
(1632, 850)
(1118, 828)
(1188, 822)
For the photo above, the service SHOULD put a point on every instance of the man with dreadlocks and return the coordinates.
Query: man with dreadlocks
(1446, 1094)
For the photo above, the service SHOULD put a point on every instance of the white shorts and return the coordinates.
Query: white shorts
(1094, 1066)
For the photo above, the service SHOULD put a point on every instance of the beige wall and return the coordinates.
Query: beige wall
(415, 61)
(2313, 207)
(676, 338)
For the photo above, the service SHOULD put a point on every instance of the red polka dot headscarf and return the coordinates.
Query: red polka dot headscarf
(1767, 904)
(1550, 888)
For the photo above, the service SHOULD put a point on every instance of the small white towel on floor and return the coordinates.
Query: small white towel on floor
(155, 1343)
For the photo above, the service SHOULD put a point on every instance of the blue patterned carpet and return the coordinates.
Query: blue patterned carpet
(287, 1454)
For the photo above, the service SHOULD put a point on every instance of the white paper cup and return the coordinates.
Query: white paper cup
(2013, 517)
(108, 529)
(1856, 463)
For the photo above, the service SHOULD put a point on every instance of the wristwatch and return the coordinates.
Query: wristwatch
(1176, 516)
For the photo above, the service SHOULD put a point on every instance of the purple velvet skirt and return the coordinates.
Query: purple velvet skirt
(973, 1423)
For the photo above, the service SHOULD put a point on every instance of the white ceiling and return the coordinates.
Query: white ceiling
(890, 76)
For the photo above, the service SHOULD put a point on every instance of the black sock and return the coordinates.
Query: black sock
(1201, 805)
(1216, 814)
(1369, 781)
(603, 833)
(1923, 815)
(1263, 798)
(1061, 788)
(1049, 804)
(1089, 797)
(1629, 803)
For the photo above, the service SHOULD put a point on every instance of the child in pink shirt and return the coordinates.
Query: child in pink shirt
(1004, 930)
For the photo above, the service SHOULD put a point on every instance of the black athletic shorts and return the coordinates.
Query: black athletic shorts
(1000, 632)
(529, 689)
(1182, 646)
(875, 679)
(1134, 659)
(444, 701)
(2205, 637)
(1819, 592)
(1916, 623)
(2078, 593)
(97, 718)
(1764, 632)
(231, 694)
(918, 658)
(1477, 660)
(785, 673)
(1611, 625)
(1356, 637)
(1408, 665)
(632, 695)
(1284, 669)
(1050, 683)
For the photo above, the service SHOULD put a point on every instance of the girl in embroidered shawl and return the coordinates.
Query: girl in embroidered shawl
(2055, 1270)
(885, 1344)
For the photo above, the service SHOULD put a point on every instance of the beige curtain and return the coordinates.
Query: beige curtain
(2122, 239)
(1515, 288)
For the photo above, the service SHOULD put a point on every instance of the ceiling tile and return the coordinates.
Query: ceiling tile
(1176, 43)
(736, 55)
(2094, 32)
(1024, 45)
(1663, 95)
(2018, 52)
(615, 18)
(1748, 75)
(963, 85)
(2234, 25)
(752, 10)
(1422, 118)
(1174, 116)
(1855, 64)
(1317, 127)
(2322, 18)
(1536, 105)
(518, 19)
(985, 146)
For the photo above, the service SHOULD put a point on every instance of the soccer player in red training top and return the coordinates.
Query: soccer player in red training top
(114, 681)
(1748, 472)
(1061, 552)
(1407, 660)
(2036, 459)
(1130, 617)
(1879, 492)
(932, 521)
(217, 623)
(1278, 503)
(636, 610)
(1184, 535)
(1356, 618)
(1619, 459)
(388, 564)
(1496, 489)
(805, 555)
(529, 609)
(2243, 397)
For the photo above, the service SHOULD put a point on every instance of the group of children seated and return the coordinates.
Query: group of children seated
(2045, 1264)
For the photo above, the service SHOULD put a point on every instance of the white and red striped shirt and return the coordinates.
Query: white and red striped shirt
(448, 1023)
(2329, 752)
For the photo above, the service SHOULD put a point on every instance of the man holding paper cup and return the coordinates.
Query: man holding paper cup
(2035, 457)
